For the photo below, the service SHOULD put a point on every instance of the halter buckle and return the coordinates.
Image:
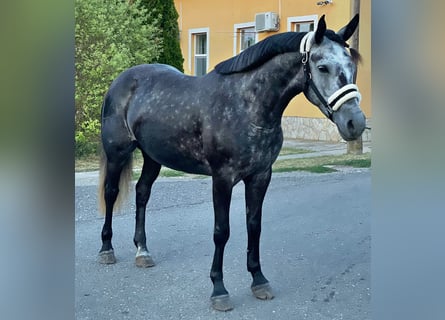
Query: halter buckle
(305, 57)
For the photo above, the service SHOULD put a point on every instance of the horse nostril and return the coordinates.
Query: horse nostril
(351, 126)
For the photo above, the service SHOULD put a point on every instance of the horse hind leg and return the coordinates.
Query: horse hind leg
(150, 172)
(115, 175)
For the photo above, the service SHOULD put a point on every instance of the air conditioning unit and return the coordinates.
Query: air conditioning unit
(267, 21)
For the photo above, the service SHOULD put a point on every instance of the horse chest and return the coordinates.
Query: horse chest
(250, 151)
(264, 151)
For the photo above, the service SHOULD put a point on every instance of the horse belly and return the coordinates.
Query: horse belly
(186, 162)
(170, 135)
(178, 153)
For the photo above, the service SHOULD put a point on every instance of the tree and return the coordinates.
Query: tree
(110, 36)
(168, 24)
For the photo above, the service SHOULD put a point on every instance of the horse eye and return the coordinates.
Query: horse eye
(323, 69)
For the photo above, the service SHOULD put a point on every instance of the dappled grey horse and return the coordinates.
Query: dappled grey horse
(225, 124)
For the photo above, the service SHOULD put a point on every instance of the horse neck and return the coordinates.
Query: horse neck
(273, 85)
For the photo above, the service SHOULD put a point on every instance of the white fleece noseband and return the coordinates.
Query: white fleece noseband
(345, 93)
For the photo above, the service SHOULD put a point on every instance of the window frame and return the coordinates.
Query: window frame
(292, 21)
(193, 33)
(237, 35)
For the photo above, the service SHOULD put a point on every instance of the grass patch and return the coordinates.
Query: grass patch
(89, 163)
(170, 173)
(320, 164)
(92, 162)
(288, 151)
(356, 163)
(313, 169)
(165, 172)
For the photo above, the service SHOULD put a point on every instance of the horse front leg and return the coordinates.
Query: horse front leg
(256, 187)
(222, 194)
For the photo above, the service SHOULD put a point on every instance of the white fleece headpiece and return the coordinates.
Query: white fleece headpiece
(306, 42)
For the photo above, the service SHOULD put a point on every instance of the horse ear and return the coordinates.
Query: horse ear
(346, 32)
(321, 29)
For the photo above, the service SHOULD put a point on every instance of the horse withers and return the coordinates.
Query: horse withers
(225, 124)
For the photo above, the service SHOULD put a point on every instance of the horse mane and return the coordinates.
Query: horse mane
(270, 47)
(261, 52)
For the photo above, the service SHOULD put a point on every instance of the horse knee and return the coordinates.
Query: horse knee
(221, 235)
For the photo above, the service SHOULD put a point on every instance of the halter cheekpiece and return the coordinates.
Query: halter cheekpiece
(336, 100)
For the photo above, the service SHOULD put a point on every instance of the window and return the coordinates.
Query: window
(200, 54)
(247, 38)
(244, 36)
(304, 26)
(198, 51)
(302, 23)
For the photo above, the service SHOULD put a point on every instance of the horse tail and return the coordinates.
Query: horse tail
(125, 179)
(114, 109)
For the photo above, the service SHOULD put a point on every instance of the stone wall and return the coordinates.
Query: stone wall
(316, 129)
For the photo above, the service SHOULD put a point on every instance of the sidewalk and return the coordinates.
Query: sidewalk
(318, 148)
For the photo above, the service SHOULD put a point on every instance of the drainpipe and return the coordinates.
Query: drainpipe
(355, 146)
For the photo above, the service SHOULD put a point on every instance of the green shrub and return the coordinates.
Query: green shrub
(110, 36)
(168, 24)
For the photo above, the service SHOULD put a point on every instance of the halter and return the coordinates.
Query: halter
(336, 100)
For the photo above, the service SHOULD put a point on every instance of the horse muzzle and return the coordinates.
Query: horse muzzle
(350, 120)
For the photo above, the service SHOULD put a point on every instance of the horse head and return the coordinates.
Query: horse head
(330, 70)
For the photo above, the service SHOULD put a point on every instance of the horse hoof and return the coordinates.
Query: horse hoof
(107, 257)
(144, 261)
(263, 291)
(221, 303)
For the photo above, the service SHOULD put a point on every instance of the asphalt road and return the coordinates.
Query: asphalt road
(315, 251)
